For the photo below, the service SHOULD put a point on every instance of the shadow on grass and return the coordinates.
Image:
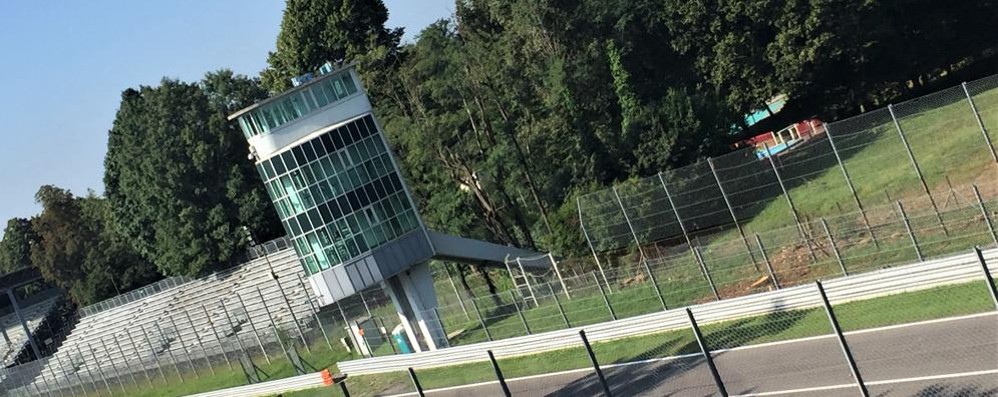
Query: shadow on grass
(650, 371)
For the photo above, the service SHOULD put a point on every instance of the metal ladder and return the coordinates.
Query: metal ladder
(521, 279)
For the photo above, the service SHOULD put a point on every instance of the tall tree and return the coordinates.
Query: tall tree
(178, 177)
(15, 248)
(77, 251)
(316, 31)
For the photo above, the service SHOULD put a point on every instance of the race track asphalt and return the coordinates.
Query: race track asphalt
(953, 357)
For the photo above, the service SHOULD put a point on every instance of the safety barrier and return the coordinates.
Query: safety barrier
(918, 276)
(301, 382)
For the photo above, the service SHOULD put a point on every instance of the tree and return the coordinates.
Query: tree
(178, 178)
(316, 31)
(15, 248)
(76, 251)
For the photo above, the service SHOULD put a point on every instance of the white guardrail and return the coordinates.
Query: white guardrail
(923, 275)
(301, 382)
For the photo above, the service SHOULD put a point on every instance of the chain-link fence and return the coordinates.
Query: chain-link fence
(921, 152)
(784, 257)
(870, 336)
(252, 323)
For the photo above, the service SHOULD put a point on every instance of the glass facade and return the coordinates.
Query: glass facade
(338, 194)
(323, 92)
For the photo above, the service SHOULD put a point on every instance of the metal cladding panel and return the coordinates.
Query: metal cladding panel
(345, 288)
(393, 258)
(408, 250)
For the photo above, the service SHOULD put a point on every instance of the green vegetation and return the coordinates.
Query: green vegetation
(935, 303)
(320, 357)
(479, 105)
(503, 115)
(178, 132)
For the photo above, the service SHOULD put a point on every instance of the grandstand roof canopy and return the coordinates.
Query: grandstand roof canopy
(18, 278)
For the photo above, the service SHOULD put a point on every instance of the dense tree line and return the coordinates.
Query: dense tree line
(500, 114)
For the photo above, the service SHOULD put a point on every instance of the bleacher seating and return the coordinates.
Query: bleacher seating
(34, 311)
(181, 322)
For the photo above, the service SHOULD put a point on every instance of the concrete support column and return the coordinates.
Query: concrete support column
(415, 299)
(24, 323)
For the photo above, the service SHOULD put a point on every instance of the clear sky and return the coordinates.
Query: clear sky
(63, 66)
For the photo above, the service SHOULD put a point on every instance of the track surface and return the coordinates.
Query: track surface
(953, 357)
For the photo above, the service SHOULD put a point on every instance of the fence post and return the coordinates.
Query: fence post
(562, 310)
(292, 312)
(842, 340)
(169, 351)
(980, 123)
(256, 334)
(952, 193)
(218, 338)
(117, 374)
(987, 275)
(135, 348)
(706, 272)
(232, 327)
(54, 384)
(343, 388)
(911, 234)
(578, 203)
(350, 333)
(315, 312)
(987, 218)
(200, 342)
(75, 371)
(706, 354)
(363, 300)
(595, 362)
(152, 352)
(765, 258)
(835, 247)
(852, 189)
(675, 211)
(190, 361)
(100, 371)
(481, 319)
(383, 331)
(727, 202)
(557, 272)
(790, 202)
(519, 312)
(918, 170)
(460, 300)
(605, 299)
(499, 377)
(644, 258)
(121, 351)
(273, 324)
(415, 382)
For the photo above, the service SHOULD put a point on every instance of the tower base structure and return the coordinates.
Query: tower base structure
(410, 287)
(415, 301)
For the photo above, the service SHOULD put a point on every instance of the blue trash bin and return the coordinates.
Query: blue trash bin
(398, 334)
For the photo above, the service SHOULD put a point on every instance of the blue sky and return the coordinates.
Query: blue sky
(63, 67)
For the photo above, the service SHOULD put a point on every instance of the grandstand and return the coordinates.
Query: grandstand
(210, 317)
(35, 311)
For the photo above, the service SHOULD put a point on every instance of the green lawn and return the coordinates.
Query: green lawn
(320, 357)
